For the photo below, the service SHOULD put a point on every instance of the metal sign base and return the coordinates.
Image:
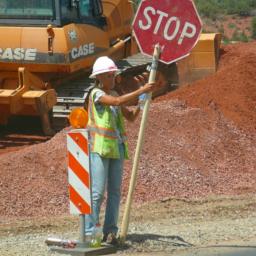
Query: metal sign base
(81, 250)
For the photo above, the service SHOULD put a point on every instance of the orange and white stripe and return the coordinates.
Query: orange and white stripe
(79, 172)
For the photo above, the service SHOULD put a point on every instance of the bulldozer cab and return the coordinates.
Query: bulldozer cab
(55, 12)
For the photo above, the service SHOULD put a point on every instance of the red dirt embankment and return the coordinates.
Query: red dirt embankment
(200, 140)
(232, 90)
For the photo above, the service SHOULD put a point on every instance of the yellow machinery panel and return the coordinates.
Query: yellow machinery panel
(202, 61)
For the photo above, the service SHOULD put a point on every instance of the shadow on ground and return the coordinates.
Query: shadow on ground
(135, 240)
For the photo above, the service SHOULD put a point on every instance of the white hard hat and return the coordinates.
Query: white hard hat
(102, 65)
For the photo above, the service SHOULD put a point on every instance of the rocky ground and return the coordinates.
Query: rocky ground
(168, 227)
(196, 184)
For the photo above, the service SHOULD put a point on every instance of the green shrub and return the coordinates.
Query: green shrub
(254, 28)
(243, 37)
(225, 40)
(232, 25)
(235, 36)
(221, 30)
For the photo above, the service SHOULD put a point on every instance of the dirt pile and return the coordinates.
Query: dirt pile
(190, 153)
(34, 180)
(199, 141)
(231, 91)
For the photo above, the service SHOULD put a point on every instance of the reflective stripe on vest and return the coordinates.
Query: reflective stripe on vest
(102, 132)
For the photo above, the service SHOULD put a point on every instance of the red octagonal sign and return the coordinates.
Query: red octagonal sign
(174, 24)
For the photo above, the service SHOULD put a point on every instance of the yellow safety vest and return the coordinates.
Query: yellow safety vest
(103, 135)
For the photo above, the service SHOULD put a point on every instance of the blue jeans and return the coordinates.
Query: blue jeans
(105, 172)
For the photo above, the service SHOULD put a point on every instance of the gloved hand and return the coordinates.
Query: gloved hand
(142, 99)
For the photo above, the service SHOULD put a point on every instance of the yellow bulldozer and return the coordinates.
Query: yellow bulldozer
(47, 48)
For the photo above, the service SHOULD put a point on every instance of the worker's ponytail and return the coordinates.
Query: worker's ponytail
(89, 90)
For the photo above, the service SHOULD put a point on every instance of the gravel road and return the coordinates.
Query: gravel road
(170, 227)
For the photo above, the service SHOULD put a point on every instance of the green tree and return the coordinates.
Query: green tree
(243, 8)
(208, 8)
(211, 8)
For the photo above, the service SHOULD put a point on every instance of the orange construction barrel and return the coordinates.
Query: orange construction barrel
(78, 118)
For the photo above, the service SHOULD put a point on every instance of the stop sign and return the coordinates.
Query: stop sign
(174, 24)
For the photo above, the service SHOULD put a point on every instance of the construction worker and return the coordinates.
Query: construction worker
(108, 144)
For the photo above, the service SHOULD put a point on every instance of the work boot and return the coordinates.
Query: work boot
(110, 238)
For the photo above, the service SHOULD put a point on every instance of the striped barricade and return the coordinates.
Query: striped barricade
(79, 172)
